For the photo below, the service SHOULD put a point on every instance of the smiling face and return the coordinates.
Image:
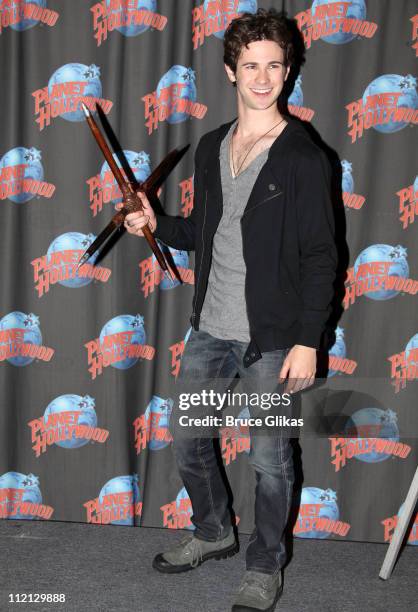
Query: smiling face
(260, 75)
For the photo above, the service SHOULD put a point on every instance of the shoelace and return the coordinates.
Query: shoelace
(255, 583)
(194, 548)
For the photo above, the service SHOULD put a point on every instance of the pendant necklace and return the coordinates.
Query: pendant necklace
(236, 172)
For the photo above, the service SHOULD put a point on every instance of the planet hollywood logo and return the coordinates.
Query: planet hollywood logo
(214, 16)
(319, 515)
(121, 344)
(67, 88)
(103, 187)
(118, 502)
(295, 103)
(235, 440)
(21, 176)
(151, 428)
(389, 104)
(69, 421)
(377, 438)
(59, 265)
(151, 275)
(21, 339)
(176, 351)
(177, 514)
(21, 497)
(187, 196)
(22, 15)
(391, 523)
(350, 199)
(338, 363)
(414, 35)
(335, 22)
(174, 100)
(380, 272)
(408, 204)
(129, 17)
(404, 365)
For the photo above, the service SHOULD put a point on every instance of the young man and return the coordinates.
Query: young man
(262, 229)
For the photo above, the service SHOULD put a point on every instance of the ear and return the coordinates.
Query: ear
(230, 73)
(287, 72)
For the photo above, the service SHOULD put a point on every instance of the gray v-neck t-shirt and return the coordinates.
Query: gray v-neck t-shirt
(224, 313)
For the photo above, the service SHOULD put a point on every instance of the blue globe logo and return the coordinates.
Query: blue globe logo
(368, 422)
(121, 484)
(184, 514)
(415, 189)
(132, 29)
(64, 263)
(31, 492)
(70, 73)
(412, 347)
(70, 403)
(327, 508)
(347, 181)
(243, 6)
(414, 529)
(382, 253)
(33, 170)
(296, 97)
(119, 325)
(17, 6)
(393, 83)
(157, 415)
(338, 349)
(139, 164)
(356, 10)
(177, 75)
(29, 324)
(180, 258)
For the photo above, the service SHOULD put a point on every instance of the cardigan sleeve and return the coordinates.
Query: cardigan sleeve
(179, 232)
(317, 248)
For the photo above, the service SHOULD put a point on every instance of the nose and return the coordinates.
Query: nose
(262, 76)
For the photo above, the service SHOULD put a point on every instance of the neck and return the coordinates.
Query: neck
(254, 122)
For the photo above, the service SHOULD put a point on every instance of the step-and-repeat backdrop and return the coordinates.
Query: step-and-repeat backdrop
(88, 356)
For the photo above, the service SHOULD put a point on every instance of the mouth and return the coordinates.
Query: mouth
(261, 92)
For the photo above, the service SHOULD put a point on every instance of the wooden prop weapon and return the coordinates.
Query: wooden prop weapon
(131, 200)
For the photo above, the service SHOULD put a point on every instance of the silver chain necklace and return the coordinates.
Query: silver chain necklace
(236, 172)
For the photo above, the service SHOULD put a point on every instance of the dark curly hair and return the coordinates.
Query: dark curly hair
(263, 25)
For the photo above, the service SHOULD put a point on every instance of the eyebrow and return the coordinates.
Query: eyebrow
(257, 63)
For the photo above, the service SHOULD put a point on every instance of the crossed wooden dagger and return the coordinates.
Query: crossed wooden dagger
(131, 200)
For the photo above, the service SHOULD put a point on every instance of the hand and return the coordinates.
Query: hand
(299, 367)
(135, 221)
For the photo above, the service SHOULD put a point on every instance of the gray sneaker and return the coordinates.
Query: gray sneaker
(258, 592)
(192, 552)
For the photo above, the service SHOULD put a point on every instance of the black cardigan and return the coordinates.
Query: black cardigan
(287, 235)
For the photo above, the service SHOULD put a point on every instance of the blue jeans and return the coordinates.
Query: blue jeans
(271, 457)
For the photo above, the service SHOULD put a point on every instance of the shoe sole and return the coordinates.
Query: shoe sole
(217, 555)
(270, 609)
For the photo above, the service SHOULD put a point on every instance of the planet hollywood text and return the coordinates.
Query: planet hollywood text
(113, 14)
(329, 19)
(61, 266)
(212, 17)
(187, 196)
(64, 98)
(113, 349)
(112, 507)
(13, 13)
(343, 449)
(408, 204)
(151, 275)
(147, 428)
